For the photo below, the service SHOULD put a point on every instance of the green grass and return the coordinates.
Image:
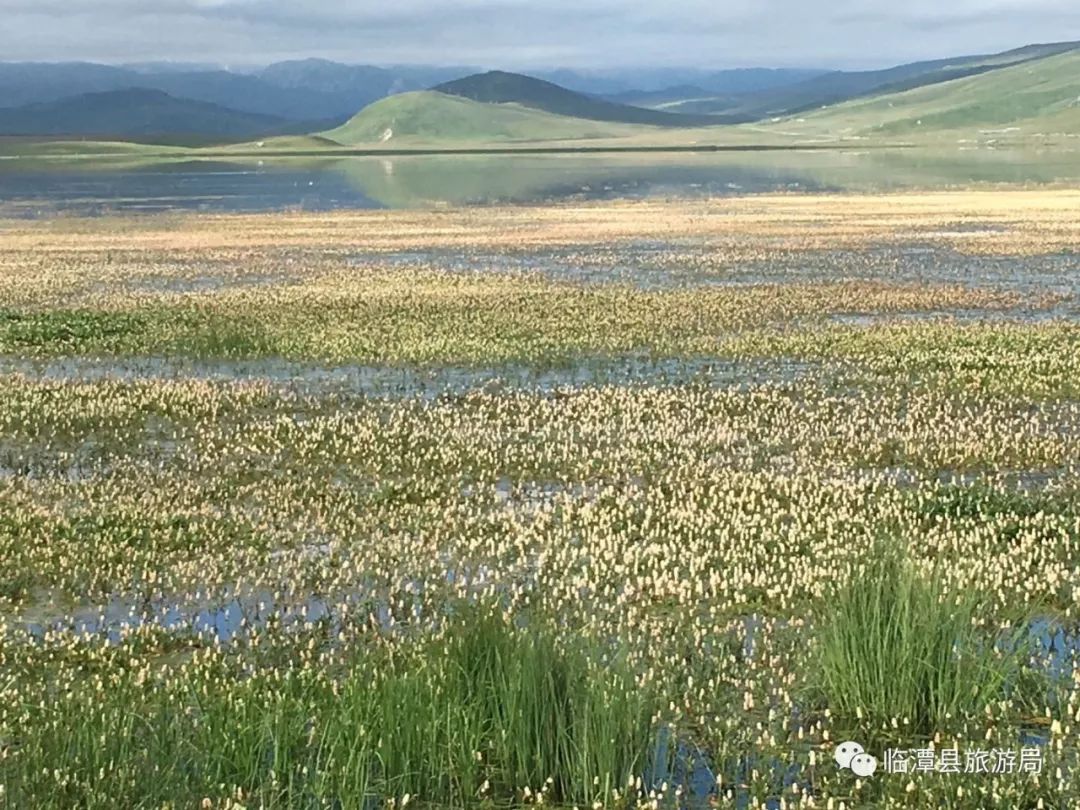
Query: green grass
(897, 645)
(429, 319)
(280, 143)
(70, 330)
(29, 148)
(1029, 361)
(84, 331)
(478, 712)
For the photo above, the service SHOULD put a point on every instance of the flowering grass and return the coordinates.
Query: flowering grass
(568, 506)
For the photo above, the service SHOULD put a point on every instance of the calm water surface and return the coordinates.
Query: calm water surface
(40, 187)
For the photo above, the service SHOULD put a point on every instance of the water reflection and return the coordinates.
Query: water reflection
(39, 187)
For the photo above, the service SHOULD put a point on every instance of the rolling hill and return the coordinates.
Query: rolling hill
(1031, 94)
(1025, 93)
(500, 87)
(430, 117)
(135, 114)
(838, 86)
(1040, 96)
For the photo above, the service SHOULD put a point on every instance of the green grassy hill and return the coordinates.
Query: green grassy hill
(430, 117)
(1035, 96)
(1040, 97)
(839, 86)
(500, 87)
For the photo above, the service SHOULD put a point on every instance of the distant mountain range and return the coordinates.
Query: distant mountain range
(305, 90)
(198, 103)
(137, 114)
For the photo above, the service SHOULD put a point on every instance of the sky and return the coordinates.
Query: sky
(517, 34)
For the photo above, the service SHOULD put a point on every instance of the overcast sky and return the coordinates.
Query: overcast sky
(530, 33)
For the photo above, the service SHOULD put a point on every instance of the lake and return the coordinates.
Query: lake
(41, 187)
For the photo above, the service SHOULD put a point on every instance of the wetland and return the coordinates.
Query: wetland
(588, 503)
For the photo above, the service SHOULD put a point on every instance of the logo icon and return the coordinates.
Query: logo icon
(851, 755)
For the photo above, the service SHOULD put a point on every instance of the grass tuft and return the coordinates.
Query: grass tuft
(476, 713)
(896, 644)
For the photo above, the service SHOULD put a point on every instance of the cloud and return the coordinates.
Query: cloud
(527, 33)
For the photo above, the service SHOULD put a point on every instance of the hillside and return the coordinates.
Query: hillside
(1033, 97)
(431, 117)
(499, 87)
(671, 97)
(134, 114)
(611, 83)
(839, 86)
